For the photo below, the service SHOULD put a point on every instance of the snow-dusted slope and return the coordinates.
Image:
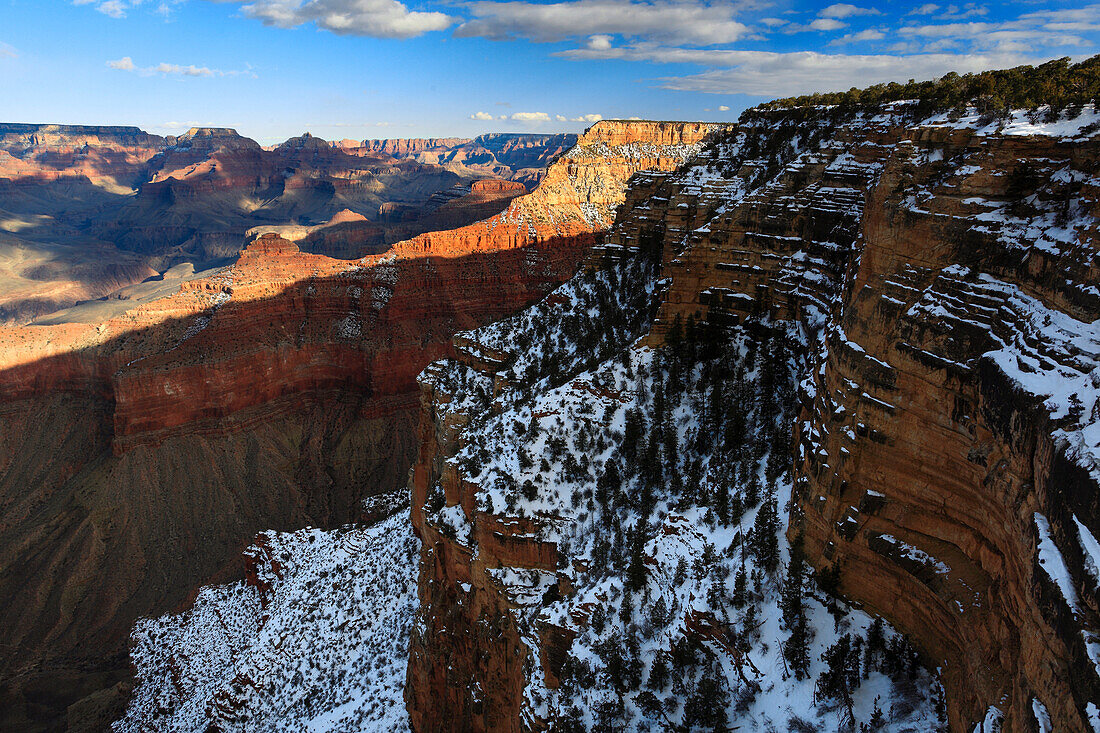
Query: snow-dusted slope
(660, 477)
(316, 640)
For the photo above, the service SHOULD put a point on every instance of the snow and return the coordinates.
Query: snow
(1054, 565)
(1092, 550)
(916, 554)
(992, 721)
(1020, 123)
(1042, 717)
(324, 649)
(537, 449)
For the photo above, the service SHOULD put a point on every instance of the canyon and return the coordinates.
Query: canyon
(881, 321)
(88, 210)
(787, 424)
(145, 450)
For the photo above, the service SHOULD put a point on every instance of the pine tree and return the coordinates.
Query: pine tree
(765, 540)
(739, 581)
(636, 572)
(790, 601)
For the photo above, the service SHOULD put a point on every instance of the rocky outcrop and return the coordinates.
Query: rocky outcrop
(410, 147)
(467, 664)
(110, 157)
(515, 156)
(959, 454)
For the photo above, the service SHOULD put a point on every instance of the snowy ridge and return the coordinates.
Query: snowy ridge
(316, 642)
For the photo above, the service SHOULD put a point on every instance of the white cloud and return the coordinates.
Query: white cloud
(827, 24)
(675, 21)
(123, 64)
(165, 69)
(481, 116)
(774, 74)
(772, 22)
(599, 41)
(7, 52)
(957, 12)
(1044, 29)
(112, 8)
(723, 108)
(177, 70)
(374, 18)
(529, 117)
(844, 10)
(870, 34)
(926, 9)
(787, 74)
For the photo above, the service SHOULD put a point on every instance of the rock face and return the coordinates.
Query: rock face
(940, 460)
(467, 659)
(411, 147)
(272, 394)
(88, 210)
(945, 271)
(515, 156)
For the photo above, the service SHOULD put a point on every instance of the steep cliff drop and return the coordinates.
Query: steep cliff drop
(144, 452)
(600, 519)
(928, 281)
(942, 468)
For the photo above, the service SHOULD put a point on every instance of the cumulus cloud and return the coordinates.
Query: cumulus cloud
(529, 117)
(165, 69)
(926, 9)
(844, 10)
(676, 21)
(776, 74)
(827, 24)
(373, 18)
(123, 64)
(723, 108)
(599, 41)
(870, 34)
(481, 116)
(787, 74)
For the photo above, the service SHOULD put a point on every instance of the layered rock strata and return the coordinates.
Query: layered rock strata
(941, 457)
(944, 272)
(274, 393)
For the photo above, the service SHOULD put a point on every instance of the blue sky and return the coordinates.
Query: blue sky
(386, 68)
